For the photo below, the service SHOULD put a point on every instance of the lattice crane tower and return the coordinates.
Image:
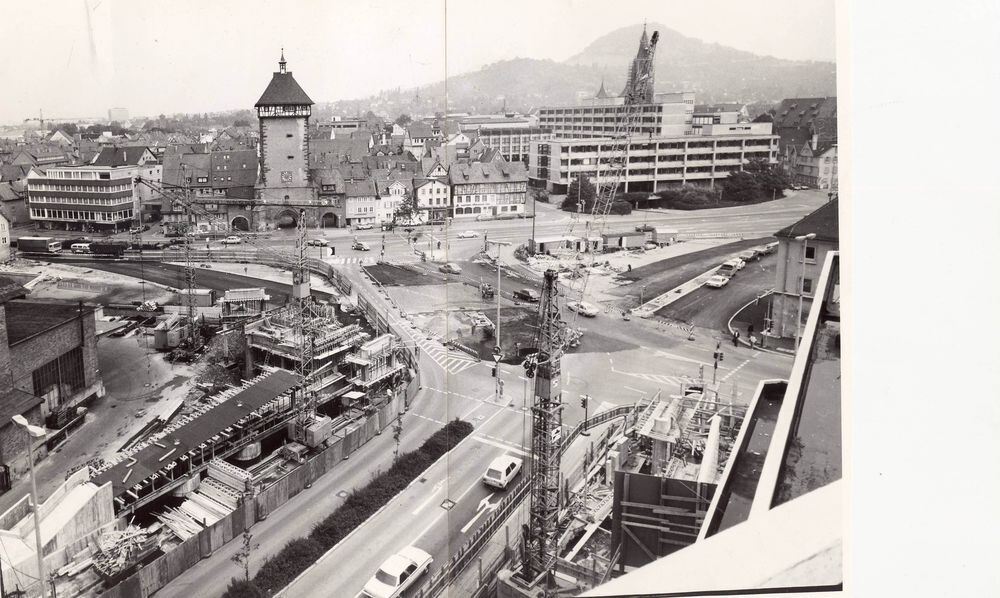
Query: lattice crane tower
(541, 539)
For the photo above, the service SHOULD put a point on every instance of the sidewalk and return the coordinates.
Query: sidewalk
(754, 314)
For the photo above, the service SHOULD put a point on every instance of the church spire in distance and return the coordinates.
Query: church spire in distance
(282, 63)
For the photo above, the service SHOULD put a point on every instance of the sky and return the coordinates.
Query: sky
(77, 58)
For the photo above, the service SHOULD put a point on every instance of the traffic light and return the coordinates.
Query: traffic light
(494, 372)
(583, 401)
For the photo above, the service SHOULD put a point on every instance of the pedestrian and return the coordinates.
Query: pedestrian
(750, 330)
(736, 338)
(753, 341)
(630, 267)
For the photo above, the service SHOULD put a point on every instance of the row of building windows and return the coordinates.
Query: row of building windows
(81, 201)
(79, 174)
(50, 214)
(82, 188)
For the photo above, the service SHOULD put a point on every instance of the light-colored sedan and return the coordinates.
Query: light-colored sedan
(450, 268)
(316, 242)
(469, 234)
(232, 240)
(717, 282)
(584, 308)
(397, 573)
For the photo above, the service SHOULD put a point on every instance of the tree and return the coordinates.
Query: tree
(397, 432)
(241, 122)
(741, 186)
(581, 191)
(403, 120)
(243, 589)
(242, 557)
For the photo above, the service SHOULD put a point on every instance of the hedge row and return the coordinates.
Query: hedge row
(279, 570)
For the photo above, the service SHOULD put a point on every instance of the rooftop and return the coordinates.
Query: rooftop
(824, 222)
(119, 156)
(27, 318)
(283, 90)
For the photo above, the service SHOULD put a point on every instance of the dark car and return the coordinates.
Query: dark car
(528, 295)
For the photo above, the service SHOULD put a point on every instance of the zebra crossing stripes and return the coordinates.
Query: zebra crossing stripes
(450, 360)
(658, 378)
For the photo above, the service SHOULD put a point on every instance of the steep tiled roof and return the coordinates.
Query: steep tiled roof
(119, 156)
(825, 222)
(801, 112)
(419, 130)
(479, 172)
(283, 90)
(362, 188)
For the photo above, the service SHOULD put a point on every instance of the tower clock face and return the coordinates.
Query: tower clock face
(286, 176)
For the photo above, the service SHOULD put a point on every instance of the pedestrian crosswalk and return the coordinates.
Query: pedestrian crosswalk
(342, 260)
(451, 360)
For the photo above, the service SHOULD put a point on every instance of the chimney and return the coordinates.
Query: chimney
(815, 141)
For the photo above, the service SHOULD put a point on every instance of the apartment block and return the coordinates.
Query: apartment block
(669, 115)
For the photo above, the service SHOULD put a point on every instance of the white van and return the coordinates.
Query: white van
(80, 247)
(501, 471)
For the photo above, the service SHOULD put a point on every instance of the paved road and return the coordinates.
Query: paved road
(711, 308)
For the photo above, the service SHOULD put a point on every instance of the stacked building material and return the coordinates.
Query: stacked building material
(118, 550)
(230, 475)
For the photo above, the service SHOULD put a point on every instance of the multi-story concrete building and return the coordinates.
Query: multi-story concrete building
(361, 203)
(654, 163)
(99, 196)
(668, 115)
(488, 190)
(800, 261)
(513, 142)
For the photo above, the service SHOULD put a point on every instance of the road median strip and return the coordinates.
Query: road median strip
(300, 554)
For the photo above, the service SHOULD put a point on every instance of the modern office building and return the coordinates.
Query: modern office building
(100, 196)
(669, 114)
(513, 142)
(654, 162)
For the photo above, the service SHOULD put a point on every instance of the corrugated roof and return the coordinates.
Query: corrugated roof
(189, 437)
(283, 90)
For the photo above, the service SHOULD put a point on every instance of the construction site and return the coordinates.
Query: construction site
(315, 384)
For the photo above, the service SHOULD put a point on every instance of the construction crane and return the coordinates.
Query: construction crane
(638, 91)
(540, 540)
(304, 331)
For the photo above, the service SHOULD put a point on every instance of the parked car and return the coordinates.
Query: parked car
(175, 247)
(316, 242)
(451, 268)
(501, 471)
(364, 227)
(770, 248)
(468, 234)
(748, 255)
(397, 573)
(584, 308)
(529, 295)
(729, 268)
(717, 282)
(360, 246)
(232, 240)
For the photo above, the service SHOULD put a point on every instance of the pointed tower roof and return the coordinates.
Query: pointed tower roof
(283, 90)
(602, 94)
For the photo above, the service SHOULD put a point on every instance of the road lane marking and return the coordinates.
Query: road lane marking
(635, 390)
(485, 506)
(505, 446)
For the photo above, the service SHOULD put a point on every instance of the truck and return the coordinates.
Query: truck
(39, 245)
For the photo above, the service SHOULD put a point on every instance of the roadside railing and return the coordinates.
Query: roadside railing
(465, 555)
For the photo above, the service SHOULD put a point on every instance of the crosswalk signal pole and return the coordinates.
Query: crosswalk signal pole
(718, 357)
(584, 401)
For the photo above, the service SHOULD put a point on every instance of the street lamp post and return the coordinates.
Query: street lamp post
(498, 351)
(804, 239)
(34, 432)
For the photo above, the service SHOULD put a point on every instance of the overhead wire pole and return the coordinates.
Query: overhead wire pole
(189, 299)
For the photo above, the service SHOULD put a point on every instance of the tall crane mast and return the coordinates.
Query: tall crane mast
(636, 93)
(541, 538)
